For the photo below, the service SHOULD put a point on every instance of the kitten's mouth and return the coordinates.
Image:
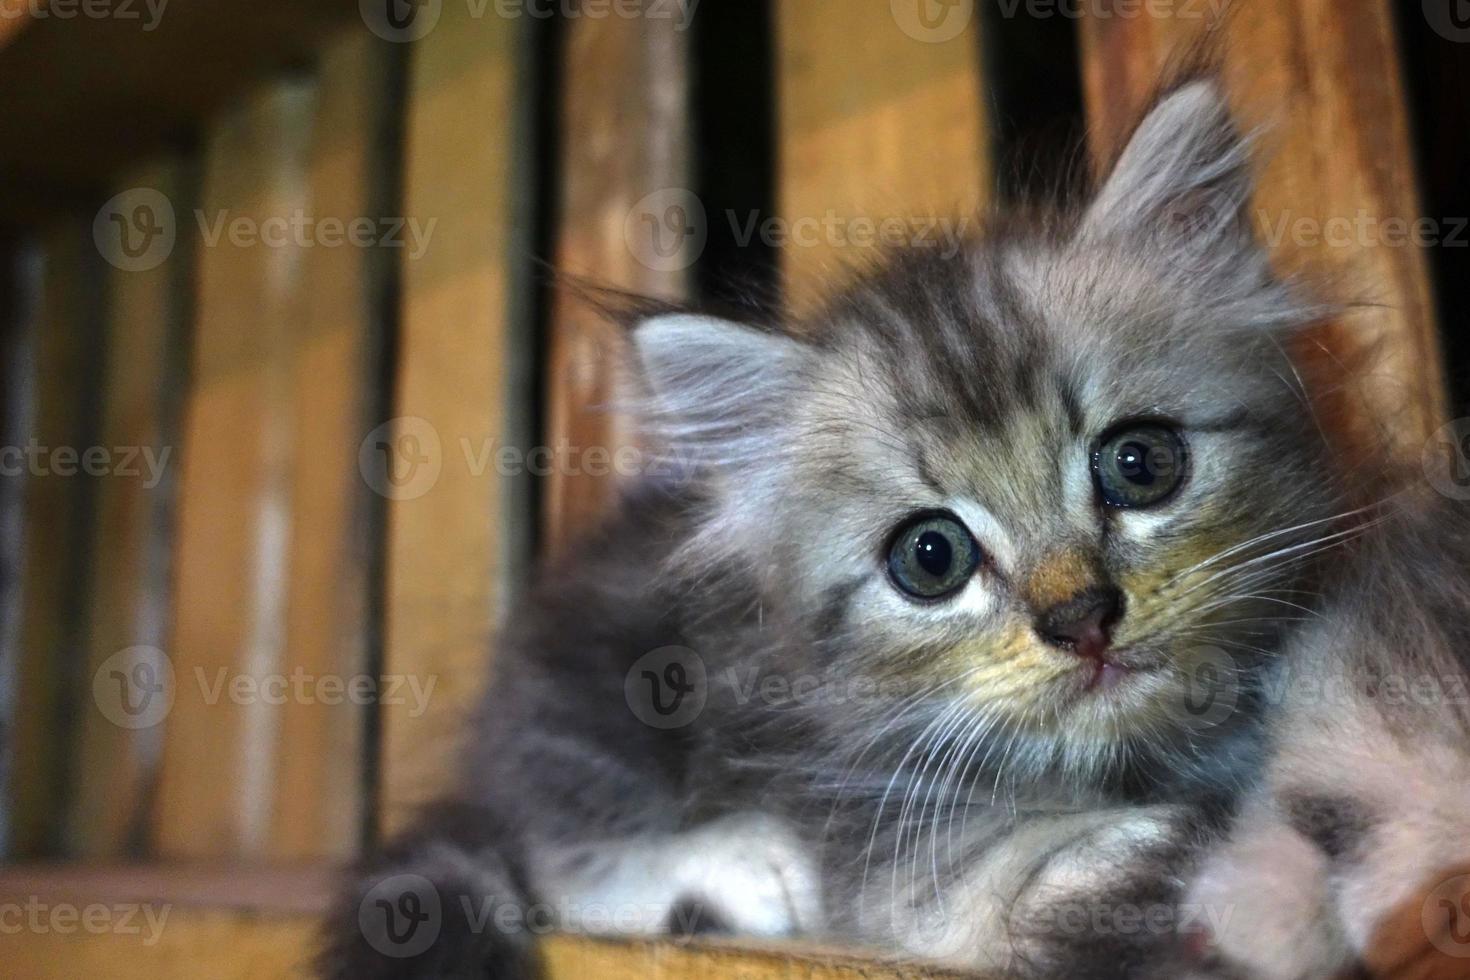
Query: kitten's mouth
(1107, 675)
(1112, 671)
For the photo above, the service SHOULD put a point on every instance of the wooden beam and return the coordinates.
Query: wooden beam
(146, 331)
(219, 922)
(881, 116)
(320, 783)
(57, 498)
(1337, 187)
(458, 521)
(219, 783)
(625, 219)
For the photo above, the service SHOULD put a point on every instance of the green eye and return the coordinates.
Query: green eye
(932, 556)
(1139, 464)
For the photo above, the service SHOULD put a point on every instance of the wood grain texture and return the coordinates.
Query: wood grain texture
(1337, 187)
(260, 923)
(624, 222)
(881, 115)
(319, 784)
(569, 957)
(145, 331)
(456, 525)
(57, 508)
(219, 783)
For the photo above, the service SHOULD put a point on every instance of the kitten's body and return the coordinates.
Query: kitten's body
(824, 755)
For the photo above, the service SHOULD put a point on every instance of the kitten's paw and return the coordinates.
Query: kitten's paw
(1265, 900)
(443, 914)
(1088, 894)
(749, 873)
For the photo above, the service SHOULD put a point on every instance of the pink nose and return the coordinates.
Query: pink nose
(1084, 623)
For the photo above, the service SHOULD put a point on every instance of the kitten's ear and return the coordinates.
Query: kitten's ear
(1184, 178)
(713, 388)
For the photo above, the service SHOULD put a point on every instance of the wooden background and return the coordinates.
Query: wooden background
(275, 379)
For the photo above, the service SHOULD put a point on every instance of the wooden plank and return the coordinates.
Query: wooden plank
(191, 943)
(320, 783)
(162, 66)
(145, 327)
(880, 116)
(1338, 153)
(625, 219)
(57, 513)
(456, 526)
(221, 923)
(218, 784)
(571, 957)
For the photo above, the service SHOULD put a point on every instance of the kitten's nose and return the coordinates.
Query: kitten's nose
(1084, 623)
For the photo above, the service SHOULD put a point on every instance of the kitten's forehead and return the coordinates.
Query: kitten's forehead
(950, 337)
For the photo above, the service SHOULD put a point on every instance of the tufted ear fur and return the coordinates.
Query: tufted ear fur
(1182, 185)
(714, 389)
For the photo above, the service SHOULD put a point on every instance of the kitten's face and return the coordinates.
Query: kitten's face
(1020, 494)
(1041, 481)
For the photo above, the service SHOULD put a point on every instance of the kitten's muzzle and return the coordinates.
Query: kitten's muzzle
(1084, 623)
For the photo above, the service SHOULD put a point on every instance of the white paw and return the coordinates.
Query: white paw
(752, 873)
(1264, 900)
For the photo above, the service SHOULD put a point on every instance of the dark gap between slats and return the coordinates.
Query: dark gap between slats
(1438, 76)
(1033, 86)
(734, 118)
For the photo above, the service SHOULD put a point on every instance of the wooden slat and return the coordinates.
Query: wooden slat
(218, 786)
(880, 115)
(625, 208)
(319, 783)
(57, 500)
(145, 328)
(1324, 76)
(192, 943)
(455, 525)
(568, 957)
(261, 923)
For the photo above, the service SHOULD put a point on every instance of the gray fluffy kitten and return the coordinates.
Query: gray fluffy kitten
(984, 625)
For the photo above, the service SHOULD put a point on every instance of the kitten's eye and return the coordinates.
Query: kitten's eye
(932, 556)
(1139, 464)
